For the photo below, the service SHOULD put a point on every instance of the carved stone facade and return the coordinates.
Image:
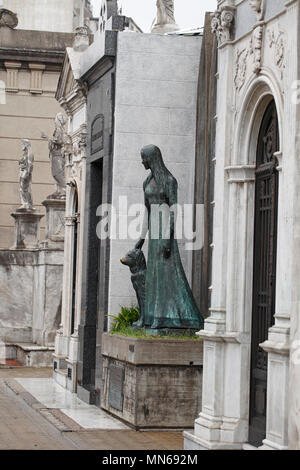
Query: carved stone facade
(222, 24)
(262, 49)
(71, 94)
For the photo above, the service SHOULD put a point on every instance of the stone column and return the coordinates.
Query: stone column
(62, 338)
(277, 346)
(27, 229)
(218, 425)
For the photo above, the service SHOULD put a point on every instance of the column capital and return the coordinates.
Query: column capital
(241, 174)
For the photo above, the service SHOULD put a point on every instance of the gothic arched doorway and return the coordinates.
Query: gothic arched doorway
(264, 274)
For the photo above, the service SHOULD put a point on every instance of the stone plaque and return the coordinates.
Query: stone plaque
(115, 389)
(97, 134)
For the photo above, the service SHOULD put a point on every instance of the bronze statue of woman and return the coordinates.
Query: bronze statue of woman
(169, 302)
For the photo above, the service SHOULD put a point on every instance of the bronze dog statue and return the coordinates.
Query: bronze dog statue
(136, 262)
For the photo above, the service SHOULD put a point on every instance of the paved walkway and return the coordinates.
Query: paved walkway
(36, 413)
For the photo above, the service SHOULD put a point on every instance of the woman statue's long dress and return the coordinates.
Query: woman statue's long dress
(169, 302)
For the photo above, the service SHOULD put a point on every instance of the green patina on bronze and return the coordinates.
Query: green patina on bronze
(169, 302)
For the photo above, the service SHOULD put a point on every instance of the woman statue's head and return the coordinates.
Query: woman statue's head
(152, 160)
(151, 157)
(26, 145)
(60, 119)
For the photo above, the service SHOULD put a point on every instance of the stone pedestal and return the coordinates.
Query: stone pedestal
(151, 383)
(27, 229)
(165, 28)
(55, 223)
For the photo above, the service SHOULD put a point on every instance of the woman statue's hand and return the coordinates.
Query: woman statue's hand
(139, 244)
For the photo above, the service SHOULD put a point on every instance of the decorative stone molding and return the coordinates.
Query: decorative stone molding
(70, 221)
(83, 138)
(278, 156)
(276, 348)
(222, 24)
(256, 48)
(277, 41)
(241, 174)
(81, 39)
(258, 6)
(12, 81)
(36, 85)
(8, 19)
(240, 68)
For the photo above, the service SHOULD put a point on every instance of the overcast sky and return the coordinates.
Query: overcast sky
(188, 13)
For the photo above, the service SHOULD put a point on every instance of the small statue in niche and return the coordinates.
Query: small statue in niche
(57, 146)
(169, 301)
(165, 20)
(136, 262)
(26, 170)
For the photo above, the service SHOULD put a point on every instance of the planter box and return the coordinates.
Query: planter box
(152, 383)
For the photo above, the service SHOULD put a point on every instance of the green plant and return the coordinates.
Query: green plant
(143, 334)
(125, 319)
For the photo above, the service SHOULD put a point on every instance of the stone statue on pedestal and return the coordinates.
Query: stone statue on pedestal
(26, 169)
(164, 21)
(57, 156)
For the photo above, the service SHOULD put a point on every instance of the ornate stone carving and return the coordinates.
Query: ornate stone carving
(279, 48)
(222, 24)
(58, 146)
(26, 170)
(256, 48)
(81, 39)
(165, 20)
(240, 68)
(259, 8)
(8, 18)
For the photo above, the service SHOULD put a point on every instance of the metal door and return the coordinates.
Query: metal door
(264, 281)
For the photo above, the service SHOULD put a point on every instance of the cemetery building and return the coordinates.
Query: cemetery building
(140, 88)
(31, 252)
(31, 58)
(222, 104)
(251, 338)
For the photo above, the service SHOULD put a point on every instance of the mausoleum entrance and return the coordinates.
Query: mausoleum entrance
(264, 274)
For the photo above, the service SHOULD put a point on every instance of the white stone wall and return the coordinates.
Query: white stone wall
(156, 97)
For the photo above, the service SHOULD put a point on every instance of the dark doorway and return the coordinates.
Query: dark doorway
(264, 281)
(90, 285)
(74, 263)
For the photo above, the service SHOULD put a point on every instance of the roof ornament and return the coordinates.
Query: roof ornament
(8, 19)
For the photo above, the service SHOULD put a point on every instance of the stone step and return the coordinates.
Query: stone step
(61, 377)
(27, 354)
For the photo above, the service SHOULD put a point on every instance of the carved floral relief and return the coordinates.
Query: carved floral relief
(222, 24)
(241, 68)
(276, 42)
